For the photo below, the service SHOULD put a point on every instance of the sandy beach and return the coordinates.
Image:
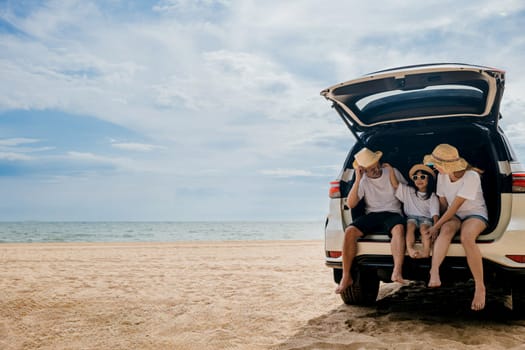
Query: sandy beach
(223, 295)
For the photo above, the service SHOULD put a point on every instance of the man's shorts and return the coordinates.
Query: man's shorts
(381, 222)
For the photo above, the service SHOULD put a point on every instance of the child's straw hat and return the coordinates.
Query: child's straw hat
(421, 167)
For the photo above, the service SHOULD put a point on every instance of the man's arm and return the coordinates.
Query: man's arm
(353, 198)
(393, 178)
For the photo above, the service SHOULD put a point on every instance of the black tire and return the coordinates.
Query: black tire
(364, 290)
(338, 274)
(518, 299)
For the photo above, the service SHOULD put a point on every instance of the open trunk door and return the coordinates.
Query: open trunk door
(422, 92)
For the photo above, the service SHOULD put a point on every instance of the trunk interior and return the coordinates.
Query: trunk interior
(405, 146)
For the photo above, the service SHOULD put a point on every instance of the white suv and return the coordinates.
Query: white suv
(405, 112)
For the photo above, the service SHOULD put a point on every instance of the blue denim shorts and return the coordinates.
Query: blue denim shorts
(475, 216)
(419, 220)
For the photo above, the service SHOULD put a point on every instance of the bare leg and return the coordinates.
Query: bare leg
(352, 233)
(426, 240)
(447, 232)
(470, 230)
(397, 246)
(411, 239)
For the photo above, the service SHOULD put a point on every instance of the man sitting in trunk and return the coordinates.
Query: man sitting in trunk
(383, 213)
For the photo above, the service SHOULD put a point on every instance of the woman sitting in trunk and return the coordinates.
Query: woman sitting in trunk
(463, 209)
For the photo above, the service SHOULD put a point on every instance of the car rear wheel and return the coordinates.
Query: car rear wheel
(365, 288)
(518, 298)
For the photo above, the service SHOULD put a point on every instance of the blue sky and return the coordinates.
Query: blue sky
(210, 110)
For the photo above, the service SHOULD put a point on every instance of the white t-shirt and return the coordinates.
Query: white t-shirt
(417, 205)
(379, 193)
(468, 187)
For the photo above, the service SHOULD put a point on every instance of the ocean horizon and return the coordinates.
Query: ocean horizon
(143, 231)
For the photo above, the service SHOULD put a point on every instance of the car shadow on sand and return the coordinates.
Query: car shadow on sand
(414, 316)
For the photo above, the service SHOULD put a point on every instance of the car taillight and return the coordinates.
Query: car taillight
(335, 191)
(518, 182)
(333, 253)
(517, 258)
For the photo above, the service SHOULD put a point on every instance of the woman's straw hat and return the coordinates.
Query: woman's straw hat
(366, 158)
(447, 158)
(421, 167)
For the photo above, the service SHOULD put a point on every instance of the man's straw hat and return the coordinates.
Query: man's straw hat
(447, 158)
(366, 158)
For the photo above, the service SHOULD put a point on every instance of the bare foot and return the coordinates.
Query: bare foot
(435, 281)
(478, 303)
(398, 277)
(422, 255)
(345, 283)
(413, 253)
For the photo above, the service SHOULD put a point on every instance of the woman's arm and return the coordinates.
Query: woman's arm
(443, 204)
(448, 214)
(433, 232)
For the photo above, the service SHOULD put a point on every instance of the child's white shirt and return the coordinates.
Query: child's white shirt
(415, 204)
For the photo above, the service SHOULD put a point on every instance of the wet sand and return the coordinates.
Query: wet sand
(224, 295)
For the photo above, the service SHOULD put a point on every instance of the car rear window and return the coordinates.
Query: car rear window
(432, 101)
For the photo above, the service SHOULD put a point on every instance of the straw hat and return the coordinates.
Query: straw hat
(421, 167)
(366, 158)
(447, 158)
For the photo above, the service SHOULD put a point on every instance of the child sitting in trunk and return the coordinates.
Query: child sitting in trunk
(421, 207)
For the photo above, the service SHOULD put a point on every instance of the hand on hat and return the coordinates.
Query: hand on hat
(359, 173)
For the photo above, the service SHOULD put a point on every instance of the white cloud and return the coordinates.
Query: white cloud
(516, 134)
(15, 149)
(132, 146)
(12, 156)
(193, 7)
(286, 172)
(88, 157)
(118, 164)
(16, 141)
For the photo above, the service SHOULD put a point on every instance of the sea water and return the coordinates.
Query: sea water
(26, 232)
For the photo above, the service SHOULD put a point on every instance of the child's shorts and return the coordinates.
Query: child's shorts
(419, 220)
